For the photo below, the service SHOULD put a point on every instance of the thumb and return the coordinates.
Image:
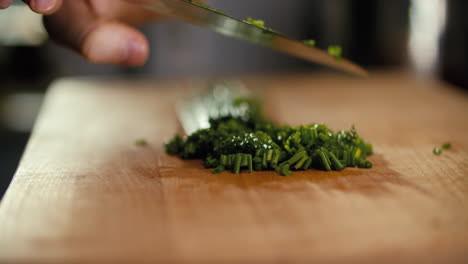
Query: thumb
(45, 7)
(97, 39)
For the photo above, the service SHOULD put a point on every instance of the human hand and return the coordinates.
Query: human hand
(100, 30)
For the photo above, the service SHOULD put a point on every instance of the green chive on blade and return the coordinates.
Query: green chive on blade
(310, 42)
(437, 151)
(335, 51)
(256, 22)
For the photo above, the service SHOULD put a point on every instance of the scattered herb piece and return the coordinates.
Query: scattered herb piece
(141, 142)
(310, 42)
(437, 151)
(250, 141)
(335, 51)
(447, 146)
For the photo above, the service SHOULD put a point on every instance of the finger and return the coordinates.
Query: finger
(5, 3)
(45, 7)
(99, 41)
(115, 43)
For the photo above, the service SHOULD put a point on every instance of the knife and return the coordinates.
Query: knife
(195, 13)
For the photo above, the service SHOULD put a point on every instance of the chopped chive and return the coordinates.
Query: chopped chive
(249, 159)
(335, 51)
(141, 142)
(323, 137)
(437, 151)
(258, 166)
(298, 156)
(218, 169)
(336, 163)
(284, 170)
(223, 160)
(369, 149)
(358, 153)
(245, 161)
(258, 152)
(325, 160)
(275, 158)
(265, 161)
(301, 163)
(310, 42)
(237, 163)
(345, 158)
(368, 164)
(256, 22)
(361, 164)
(307, 164)
(352, 157)
(269, 155)
(447, 146)
(315, 133)
(257, 160)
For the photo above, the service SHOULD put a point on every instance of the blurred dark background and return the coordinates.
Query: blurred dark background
(424, 37)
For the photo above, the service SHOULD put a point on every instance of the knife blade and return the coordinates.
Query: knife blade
(219, 22)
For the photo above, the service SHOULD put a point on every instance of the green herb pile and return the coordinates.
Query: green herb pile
(250, 141)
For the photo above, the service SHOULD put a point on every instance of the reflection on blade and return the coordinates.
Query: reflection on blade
(236, 28)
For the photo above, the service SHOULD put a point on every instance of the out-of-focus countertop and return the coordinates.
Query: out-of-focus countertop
(85, 193)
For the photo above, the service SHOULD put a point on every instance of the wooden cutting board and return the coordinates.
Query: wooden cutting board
(85, 193)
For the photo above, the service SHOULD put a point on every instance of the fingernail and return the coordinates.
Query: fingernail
(134, 53)
(44, 5)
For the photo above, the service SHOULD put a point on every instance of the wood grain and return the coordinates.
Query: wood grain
(85, 193)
